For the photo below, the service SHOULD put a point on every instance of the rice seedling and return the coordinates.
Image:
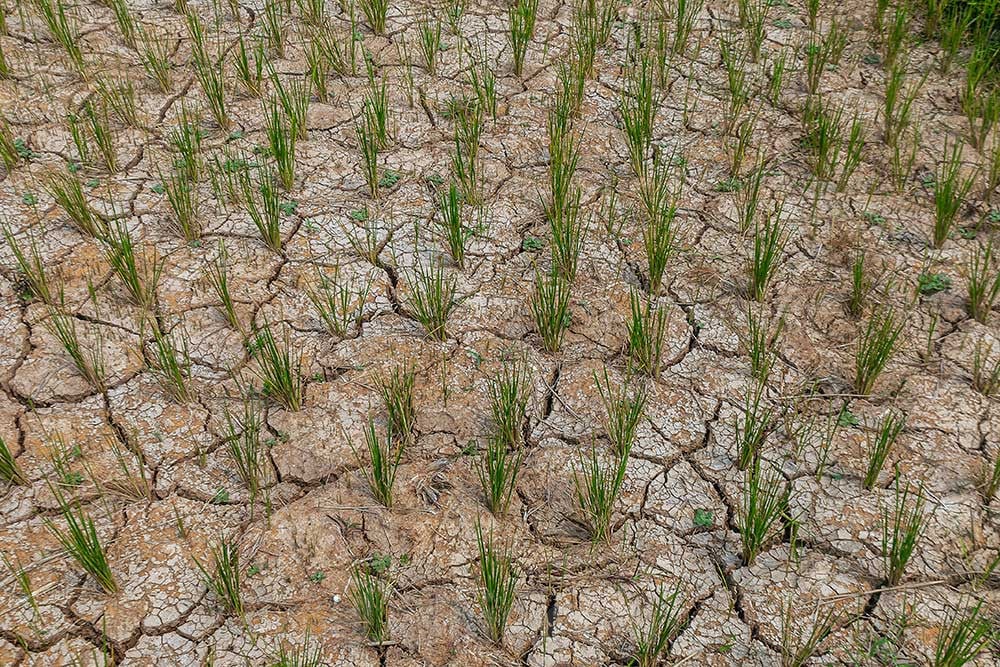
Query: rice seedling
(184, 203)
(903, 157)
(81, 542)
(294, 99)
(396, 391)
(753, 425)
(4, 65)
(68, 193)
(339, 52)
(262, 201)
(521, 18)
(208, 71)
(375, 12)
(824, 136)
(799, 644)
(660, 201)
(770, 236)
(738, 144)
(171, 363)
(456, 233)
(895, 43)
(760, 341)
(550, 308)
(902, 527)
(432, 298)
(9, 154)
(138, 274)
(430, 42)
(338, 306)
(852, 152)
(985, 376)
(186, 139)
(368, 145)
(306, 654)
(317, 70)
(498, 577)
(63, 29)
(992, 170)
(10, 470)
(738, 93)
(950, 191)
(597, 486)
(273, 26)
(154, 54)
(776, 76)
(224, 577)
(384, 455)
(89, 361)
(22, 578)
(497, 468)
(99, 124)
(753, 18)
(963, 637)
(218, 278)
(898, 103)
(763, 502)
(483, 81)
(624, 408)
(313, 11)
(509, 392)
(118, 95)
(370, 596)
(879, 9)
(465, 160)
(685, 13)
(876, 346)
(981, 107)
(646, 328)
(454, 11)
(655, 632)
(248, 62)
(30, 266)
(880, 445)
(243, 442)
(637, 108)
(282, 137)
(278, 371)
(748, 197)
(564, 156)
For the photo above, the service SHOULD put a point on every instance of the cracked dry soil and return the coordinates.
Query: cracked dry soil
(157, 475)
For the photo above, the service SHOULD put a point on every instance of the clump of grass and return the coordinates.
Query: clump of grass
(456, 233)
(224, 577)
(430, 42)
(186, 139)
(262, 201)
(218, 277)
(273, 25)
(384, 455)
(10, 470)
(950, 191)
(63, 29)
(154, 54)
(375, 12)
(208, 71)
(799, 644)
(497, 584)
(861, 285)
(637, 107)
(171, 364)
(370, 596)
(509, 392)
(763, 502)
(497, 469)
(338, 306)
(282, 137)
(886, 433)
(624, 408)
(396, 391)
(748, 197)
(521, 18)
(753, 18)
(306, 654)
(280, 374)
(597, 486)
(89, 360)
(898, 103)
(364, 131)
(753, 426)
(876, 346)
(184, 204)
(69, 195)
(654, 634)
(118, 95)
(901, 529)
(294, 97)
(659, 236)
(646, 328)
(985, 378)
(138, 274)
(243, 442)
(963, 637)
(9, 153)
(685, 13)
(563, 207)
(770, 236)
(248, 61)
(81, 542)
(550, 308)
(21, 576)
(432, 298)
(30, 266)
(761, 341)
(465, 160)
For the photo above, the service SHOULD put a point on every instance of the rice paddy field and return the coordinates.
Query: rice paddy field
(533, 332)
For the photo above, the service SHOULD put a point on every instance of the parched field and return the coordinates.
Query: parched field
(587, 332)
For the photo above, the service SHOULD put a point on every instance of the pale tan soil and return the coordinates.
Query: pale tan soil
(576, 599)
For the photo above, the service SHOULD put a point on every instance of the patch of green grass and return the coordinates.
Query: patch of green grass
(876, 346)
(902, 527)
(279, 372)
(654, 633)
(224, 577)
(384, 455)
(521, 18)
(963, 637)
(550, 308)
(764, 500)
(370, 595)
(881, 443)
(497, 584)
(81, 542)
(597, 485)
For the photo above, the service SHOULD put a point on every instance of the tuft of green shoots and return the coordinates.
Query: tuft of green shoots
(218, 277)
(876, 345)
(985, 377)
(881, 443)
(63, 29)
(137, 274)
(901, 529)
(306, 654)
(248, 61)
(748, 197)
(365, 133)
(430, 42)
(509, 390)
(685, 13)
(637, 108)
(317, 69)
(950, 191)
(497, 469)
(370, 596)
(764, 501)
(963, 637)
(243, 442)
(660, 202)
(273, 25)
(465, 160)
(10, 156)
(282, 137)
(498, 577)
(983, 282)
(770, 236)
(81, 542)
(396, 391)
(861, 286)
(21, 576)
(654, 633)
(313, 12)
(596, 488)
(753, 18)
(550, 308)
(10, 470)
(182, 196)
(154, 54)
(384, 455)
(118, 95)
(209, 72)
(337, 305)
(224, 576)
(455, 232)
(761, 342)
(69, 195)
(898, 103)
(89, 361)
(646, 327)
(375, 13)
(262, 201)
(30, 266)
(521, 18)
(799, 644)
(186, 139)
(432, 298)
(753, 426)
(294, 97)
(624, 408)
(280, 374)
(171, 364)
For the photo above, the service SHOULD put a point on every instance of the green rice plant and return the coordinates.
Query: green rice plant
(63, 29)
(817, 57)
(262, 201)
(824, 138)
(770, 236)
(282, 137)
(760, 341)
(659, 235)
(879, 9)
(9, 153)
(509, 392)
(338, 305)
(637, 108)
(646, 327)
(171, 364)
(748, 197)
(596, 488)
(497, 468)
(861, 286)
(894, 44)
(902, 527)
(624, 408)
(879, 445)
(738, 144)
(950, 191)
(876, 345)
(208, 71)
(952, 35)
(99, 124)
(521, 18)
(812, 12)
(317, 70)
(278, 371)
(764, 501)
(22, 578)
(384, 455)
(294, 99)
(903, 157)
(78, 133)
(963, 637)
(985, 376)
(483, 81)
(182, 196)
(186, 139)
(30, 266)
(432, 298)
(370, 596)
(339, 51)
(224, 577)
(465, 160)
(454, 11)
(852, 152)
(752, 427)
(118, 95)
(799, 644)
(68, 193)
(685, 13)
(306, 654)
(89, 360)
(248, 62)
(313, 11)
(273, 27)
(154, 54)
(396, 391)
(738, 93)
(365, 133)
(992, 170)
(897, 109)
(776, 76)
(430, 42)
(550, 308)
(4, 65)
(81, 542)
(218, 278)
(562, 208)
(654, 633)
(753, 18)
(246, 449)
(456, 233)
(375, 13)
(498, 577)
(980, 100)
(10, 470)
(138, 274)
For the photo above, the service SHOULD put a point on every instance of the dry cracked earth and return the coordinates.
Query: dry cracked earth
(154, 470)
